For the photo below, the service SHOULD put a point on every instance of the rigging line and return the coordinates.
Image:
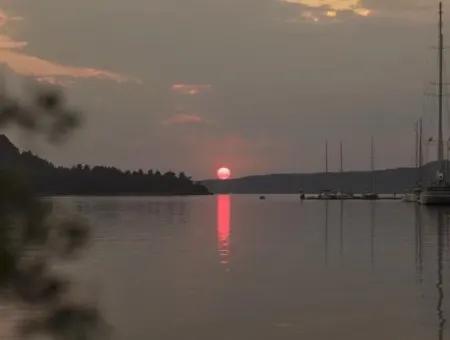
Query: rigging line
(446, 101)
(424, 118)
(431, 102)
(428, 116)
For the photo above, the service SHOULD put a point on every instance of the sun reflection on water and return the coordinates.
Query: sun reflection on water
(223, 227)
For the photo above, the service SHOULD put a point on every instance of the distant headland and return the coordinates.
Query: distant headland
(386, 181)
(48, 179)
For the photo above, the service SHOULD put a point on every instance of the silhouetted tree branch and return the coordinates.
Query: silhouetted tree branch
(31, 239)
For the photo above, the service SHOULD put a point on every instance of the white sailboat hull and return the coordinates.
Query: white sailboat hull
(411, 197)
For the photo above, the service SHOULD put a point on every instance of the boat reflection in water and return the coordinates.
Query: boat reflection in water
(441, 234)
(431, 235)
(419, 242)
(223, 227)
(438, 219)
(372, 234)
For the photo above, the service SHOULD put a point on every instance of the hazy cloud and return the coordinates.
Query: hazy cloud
(27, 65)
(184, 119)
(190, 89)
(9, 43)
(41, 69)
(410, 9)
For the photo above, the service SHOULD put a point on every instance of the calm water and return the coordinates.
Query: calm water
(236, 267)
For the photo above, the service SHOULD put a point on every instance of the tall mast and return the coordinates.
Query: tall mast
(341, 158)
(372, 164)
(441, 51)
(416, 153)
(420, 149)
(326, 157)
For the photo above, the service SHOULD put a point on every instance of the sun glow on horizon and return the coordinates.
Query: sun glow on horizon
(223, 173)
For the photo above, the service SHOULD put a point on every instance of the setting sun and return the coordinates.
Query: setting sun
(223, 173)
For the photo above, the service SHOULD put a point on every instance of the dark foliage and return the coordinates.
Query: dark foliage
(98, 180)
(31, 237)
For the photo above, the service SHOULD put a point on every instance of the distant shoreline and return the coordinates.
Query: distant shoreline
(122, 194)
(389, 181)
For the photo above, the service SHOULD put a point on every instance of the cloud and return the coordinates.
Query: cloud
(417, 10)
(11, 55)
(184, 119)
(190, 89)
(332, 7)
(27, 65)
(9, 43)
(316, 10)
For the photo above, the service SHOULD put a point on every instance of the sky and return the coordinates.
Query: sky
(255, 85)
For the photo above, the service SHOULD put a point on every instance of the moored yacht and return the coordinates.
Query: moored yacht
(436, 194)
(439, 191)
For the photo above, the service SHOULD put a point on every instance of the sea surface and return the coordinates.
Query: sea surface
(234, 267)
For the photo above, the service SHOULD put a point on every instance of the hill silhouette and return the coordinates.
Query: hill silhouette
(48, 179)
(385, 181)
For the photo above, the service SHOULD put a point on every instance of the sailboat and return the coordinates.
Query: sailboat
(439, 191)
(327, 194)
(414, 194)
(371, 195)
(341, 195)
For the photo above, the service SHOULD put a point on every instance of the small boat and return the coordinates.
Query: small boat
(413, 195)
(370, 196)
(410, 197)
(327, 195)
(344, 196)
(262, 197)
